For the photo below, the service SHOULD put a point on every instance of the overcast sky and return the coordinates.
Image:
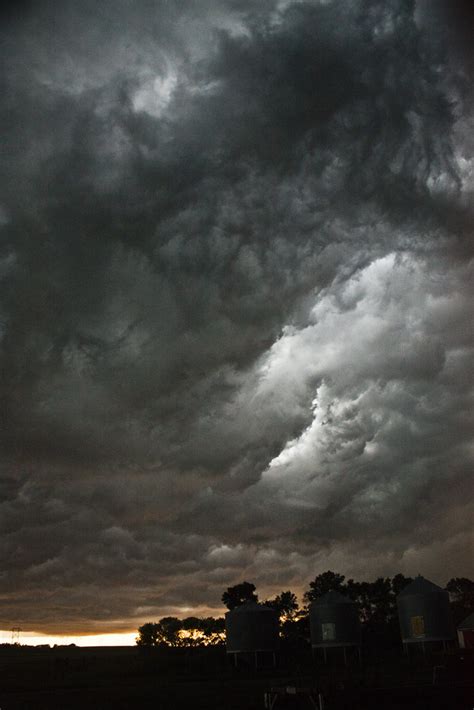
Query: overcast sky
(236, 301)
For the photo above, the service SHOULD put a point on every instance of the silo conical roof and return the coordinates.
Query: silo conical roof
(250, 607)
(333, 597)
(420, 585)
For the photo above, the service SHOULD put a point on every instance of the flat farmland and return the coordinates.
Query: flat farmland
(119, 678)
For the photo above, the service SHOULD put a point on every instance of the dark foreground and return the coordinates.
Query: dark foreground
(119, 678)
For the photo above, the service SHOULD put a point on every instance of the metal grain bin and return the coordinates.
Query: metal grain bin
(251, 627)
(334, 621)
(424, 613)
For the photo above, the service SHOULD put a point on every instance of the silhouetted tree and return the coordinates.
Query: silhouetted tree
(202, 632)
(213, 630)
(381, 602)
(286, 604)
(461, 590)
(239, 594)
(325, 582)
(193, 634)
(169, 628)
(376, 601)
(461, 594)
(399, 582)
(191, 623)
(191, 631)
(148, 635)
(162, 633)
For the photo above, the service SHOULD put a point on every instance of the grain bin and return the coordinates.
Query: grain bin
(252, 631)
(334, 623)
(424, 613)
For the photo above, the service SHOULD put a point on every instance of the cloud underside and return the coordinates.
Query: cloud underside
(236, 315)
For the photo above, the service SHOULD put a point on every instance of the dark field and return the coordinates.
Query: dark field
(103, 678)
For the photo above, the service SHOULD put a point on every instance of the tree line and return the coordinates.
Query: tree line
(376, 603)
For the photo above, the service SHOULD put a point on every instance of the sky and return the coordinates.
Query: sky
(236, 302)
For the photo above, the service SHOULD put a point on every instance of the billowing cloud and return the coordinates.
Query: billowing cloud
(235, 313)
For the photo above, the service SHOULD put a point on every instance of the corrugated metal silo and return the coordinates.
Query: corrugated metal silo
(424, 613)
(251, 628)
(334, 621)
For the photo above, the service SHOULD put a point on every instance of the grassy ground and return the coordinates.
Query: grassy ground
(102, 679)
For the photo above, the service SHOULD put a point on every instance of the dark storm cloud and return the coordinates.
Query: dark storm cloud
(235, 313)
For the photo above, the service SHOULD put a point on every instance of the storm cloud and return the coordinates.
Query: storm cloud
(236, 301)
